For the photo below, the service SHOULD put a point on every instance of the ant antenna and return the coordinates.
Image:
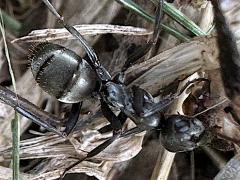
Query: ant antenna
(212, 107)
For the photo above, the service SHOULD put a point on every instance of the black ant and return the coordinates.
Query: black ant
(71, 79)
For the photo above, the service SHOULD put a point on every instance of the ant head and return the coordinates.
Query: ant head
(181, 133)
(62, 73)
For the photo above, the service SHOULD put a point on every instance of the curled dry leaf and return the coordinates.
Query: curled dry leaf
(60, 150)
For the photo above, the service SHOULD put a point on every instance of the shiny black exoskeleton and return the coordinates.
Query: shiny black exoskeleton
(71, 79)
(62, 73)
(180, 133)
(65, 75)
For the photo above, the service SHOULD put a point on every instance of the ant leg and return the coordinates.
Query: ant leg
(92, 153)
(138, 99)
(116, 126)
(94, 62)
(73, 118)
(132, 131)
(31, 111)
(145, 48)
(115, 121)
(167, 101)
(122, 118)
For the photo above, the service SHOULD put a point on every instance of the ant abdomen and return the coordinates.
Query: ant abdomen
(62, 73)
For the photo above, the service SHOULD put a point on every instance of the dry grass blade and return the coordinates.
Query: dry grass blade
(87, 29)
(60, 150)
(180, 61)
(5, 174)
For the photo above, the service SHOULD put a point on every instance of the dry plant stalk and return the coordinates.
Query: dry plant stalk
(85, 29)
(178, 62)
(7, 174)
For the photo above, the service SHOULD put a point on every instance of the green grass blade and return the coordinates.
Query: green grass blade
(10, 23)
(16, 144)
(16, 120)
(130, 5)
(181, 18)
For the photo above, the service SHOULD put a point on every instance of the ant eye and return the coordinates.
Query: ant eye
(181, 126)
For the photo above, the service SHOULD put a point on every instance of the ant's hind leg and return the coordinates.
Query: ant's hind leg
(73, 118)
(92, 55)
